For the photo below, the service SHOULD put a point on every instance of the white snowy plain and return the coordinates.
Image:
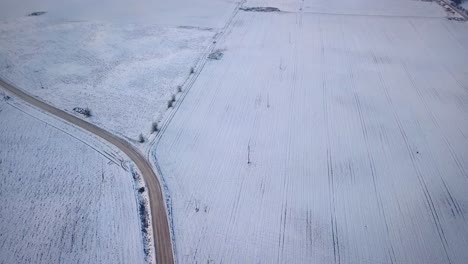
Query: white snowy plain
(62, 201)
(123, 61)
(124, 73)
(325, 137)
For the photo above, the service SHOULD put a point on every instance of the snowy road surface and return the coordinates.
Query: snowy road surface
(356, 129)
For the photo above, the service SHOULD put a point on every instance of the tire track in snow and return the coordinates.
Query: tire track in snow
(453, 202)
(286, 175)
(331, 184)
(329, 155)
(434, 213)
(431, 113)
(370, 157)
(461, 170)
(421, 180)
(390, 250)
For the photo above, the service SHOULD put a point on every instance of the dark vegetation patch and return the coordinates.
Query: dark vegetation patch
(144, 217)
(216, 55)
(39, 13)
(199, 28)
(154, 127)
(141, 138)
(171, 101)
(260, 9)
(143, 213)
(460, 19)
(84, 111)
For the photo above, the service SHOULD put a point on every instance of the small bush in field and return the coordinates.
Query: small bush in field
(154, 127)
(170, 103)
(141, 138)
(87, 112)
(84, 111)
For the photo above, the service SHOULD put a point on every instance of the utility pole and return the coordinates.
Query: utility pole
(268, 100)
(248, 153)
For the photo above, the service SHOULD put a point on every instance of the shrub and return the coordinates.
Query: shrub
(87, 112)
(154, 127)
(216, 55)
(83, 111)
(39, 13)
(141, 138)
(170, 103)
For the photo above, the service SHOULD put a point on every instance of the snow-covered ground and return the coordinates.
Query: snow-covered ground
(123, 64)
(201, 13)
(62, 201)
(124, 73)
(412, 8)
(325, 138)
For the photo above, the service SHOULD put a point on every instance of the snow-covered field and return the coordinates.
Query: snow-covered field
(412, 8)
(123, 64)
(201, 13)
(356, 130)
(61, 200)
(124, 73)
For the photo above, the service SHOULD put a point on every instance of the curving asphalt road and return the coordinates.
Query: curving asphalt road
(160, 223)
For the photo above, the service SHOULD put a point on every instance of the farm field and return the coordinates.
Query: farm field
(124, 65)
(62, 201)
(395, 8)
(325, 138)
(204, 13)
(124, 73)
